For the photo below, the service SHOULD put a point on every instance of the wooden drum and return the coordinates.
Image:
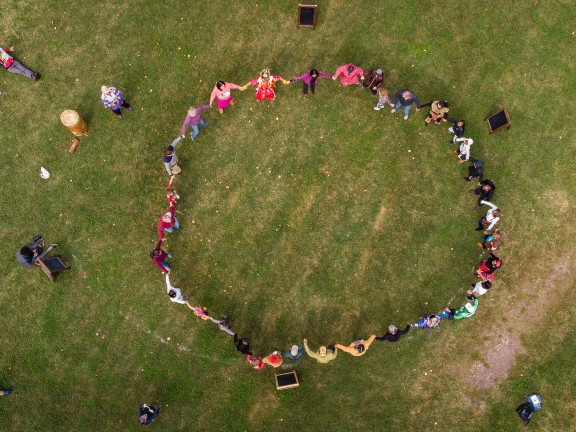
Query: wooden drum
(74, 122)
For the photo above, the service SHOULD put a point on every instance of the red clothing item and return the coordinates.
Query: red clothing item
(163, 225)
(5, 58)
(260, 364)
(158, 259)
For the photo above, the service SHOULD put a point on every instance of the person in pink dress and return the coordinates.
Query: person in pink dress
(265, 84)
(349, 74)
(222, 93)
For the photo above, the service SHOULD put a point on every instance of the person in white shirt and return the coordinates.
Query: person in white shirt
(491, 219)
(174, 294)
(479, 288)
(463, 151)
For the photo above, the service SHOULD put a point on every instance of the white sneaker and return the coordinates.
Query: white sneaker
(377, 108)
(405, 117)
(393, 110)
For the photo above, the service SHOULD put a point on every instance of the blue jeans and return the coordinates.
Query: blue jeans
(195, 129)
(406, 108)
(176, 226)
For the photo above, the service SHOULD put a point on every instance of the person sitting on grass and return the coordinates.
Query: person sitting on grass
(349, 74)
(479, 288)
(323, 355)
(275, 359)
(393, 334)
(294, 353)
(358, 347)
(310, 79)
(488, 267)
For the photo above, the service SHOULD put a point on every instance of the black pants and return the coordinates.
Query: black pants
(472, 171)
(117, 110)
(312, 87)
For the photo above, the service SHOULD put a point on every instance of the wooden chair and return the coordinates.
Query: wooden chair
(52, 265)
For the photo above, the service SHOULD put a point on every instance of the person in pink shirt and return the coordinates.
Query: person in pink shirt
(221, 92)
(349, 74)
(193, 119)
(168, 222)
(265, 84)
(310, 79)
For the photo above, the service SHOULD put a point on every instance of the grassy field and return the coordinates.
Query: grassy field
(309, 216)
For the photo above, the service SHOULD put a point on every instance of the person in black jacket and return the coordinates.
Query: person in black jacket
(242, 345)
(475, 170)
(457, 129)
(485, 192)
(148, 413)
(393, 334)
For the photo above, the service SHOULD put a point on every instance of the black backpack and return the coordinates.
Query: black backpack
(525, 411)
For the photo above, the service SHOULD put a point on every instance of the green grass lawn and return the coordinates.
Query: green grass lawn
(309, 216)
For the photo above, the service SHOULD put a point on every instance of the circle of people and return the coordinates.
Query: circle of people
(349, 75)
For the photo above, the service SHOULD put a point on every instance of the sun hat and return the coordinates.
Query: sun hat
(104, 89)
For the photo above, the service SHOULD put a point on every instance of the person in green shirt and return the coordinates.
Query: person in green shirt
(323, 355)
(467, 310)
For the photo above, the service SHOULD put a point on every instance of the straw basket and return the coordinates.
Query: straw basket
(74, 122)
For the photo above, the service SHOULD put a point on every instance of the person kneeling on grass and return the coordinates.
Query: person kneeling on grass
(393, 334)
(323, 355)
(358, 347)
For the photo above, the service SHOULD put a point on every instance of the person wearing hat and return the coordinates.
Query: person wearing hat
(310, 79)
(294, 353)
(405, 98)
(193, 119)
(113, 99)
(323, 355)
(393, 334)
(349, 74)
(14, 66)
(438, 111)
(148, 413)
(275, 359)
(373, 80)
(358, 347)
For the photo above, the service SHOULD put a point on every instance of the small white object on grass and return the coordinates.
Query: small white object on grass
(44, 173)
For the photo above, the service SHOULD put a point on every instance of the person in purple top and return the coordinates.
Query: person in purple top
(309, 79)
(113, 99)
(193, 119)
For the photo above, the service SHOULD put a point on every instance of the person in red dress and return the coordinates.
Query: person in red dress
(265, 84)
